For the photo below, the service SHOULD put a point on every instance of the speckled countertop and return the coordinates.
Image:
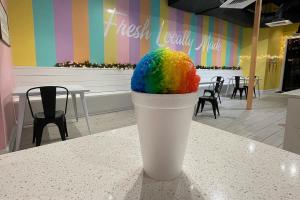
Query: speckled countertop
(218, 166)
(293, 93)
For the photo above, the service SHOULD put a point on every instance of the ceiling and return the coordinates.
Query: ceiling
(271, 10)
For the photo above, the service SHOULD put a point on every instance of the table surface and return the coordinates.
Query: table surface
(218, 166)
(293, 93)
(72, 88)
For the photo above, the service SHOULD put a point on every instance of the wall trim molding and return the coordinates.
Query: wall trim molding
(12, 139)
(270, 91)
(10, 145)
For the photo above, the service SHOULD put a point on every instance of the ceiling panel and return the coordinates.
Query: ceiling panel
(272, 10)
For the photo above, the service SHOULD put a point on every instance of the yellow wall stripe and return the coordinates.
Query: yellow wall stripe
(110, 40)
(164, 15)
(204, 37)
(21, 30)
(224, 42)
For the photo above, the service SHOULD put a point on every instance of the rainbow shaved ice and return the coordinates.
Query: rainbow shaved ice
(165, 71)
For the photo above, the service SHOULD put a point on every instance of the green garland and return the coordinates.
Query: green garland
(87, 64)
(124, 66)
(218, 67)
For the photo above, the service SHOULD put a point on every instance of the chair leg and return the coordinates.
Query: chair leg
(219, 98)
(61, 125)
(198, 106)
(233, 93)
(65, 127)
(254, 92)
(202, 105)
(246, 93)
(217, 106)
(241, 93)
(39, 133)
(35, 128)
(214, 108)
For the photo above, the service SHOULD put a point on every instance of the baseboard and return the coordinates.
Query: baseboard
(270, 91)
(10, 145)
(4, 151)
(12, 139)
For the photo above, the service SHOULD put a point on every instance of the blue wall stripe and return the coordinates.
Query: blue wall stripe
(194, 35)
(96, 31)
(155, 22)
(211, 23)
(44, 32)
(229, 43)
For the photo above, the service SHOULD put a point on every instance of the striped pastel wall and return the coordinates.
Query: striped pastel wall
(44, 32)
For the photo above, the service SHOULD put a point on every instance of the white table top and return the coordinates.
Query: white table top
(207, 82)
(218, 166)
(72, 89)
(293, 93)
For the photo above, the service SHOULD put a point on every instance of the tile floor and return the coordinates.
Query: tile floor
(265, 123)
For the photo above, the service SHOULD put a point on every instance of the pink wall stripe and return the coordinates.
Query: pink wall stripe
(179, 26)
(63, 30)
(172, 24)
(134, 18)
(199, 39)
(123, 40)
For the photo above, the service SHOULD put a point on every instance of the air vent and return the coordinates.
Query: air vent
(237, 4)
(279, 23)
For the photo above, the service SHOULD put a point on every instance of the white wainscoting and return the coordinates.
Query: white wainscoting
(96, 80)
(109, 88)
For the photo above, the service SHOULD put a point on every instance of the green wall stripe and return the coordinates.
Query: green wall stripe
(96, 30)
(229, 43)
(44, 32)
(211, 24)
(155, 22)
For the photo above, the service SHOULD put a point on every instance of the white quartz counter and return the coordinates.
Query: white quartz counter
(292, 128)
(218, 166)
(293, 93)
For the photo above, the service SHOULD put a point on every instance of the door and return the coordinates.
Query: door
(291, 77)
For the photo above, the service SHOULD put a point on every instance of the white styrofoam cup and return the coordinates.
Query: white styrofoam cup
(163, 123)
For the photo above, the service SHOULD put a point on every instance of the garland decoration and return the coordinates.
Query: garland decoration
(88, 64)
(219, 67)
(124, 66)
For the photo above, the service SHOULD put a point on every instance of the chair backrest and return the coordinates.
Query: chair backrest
(237, 81)
(219, 84)
(48, 96)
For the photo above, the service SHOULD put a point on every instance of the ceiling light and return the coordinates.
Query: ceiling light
(237, 4)
(281, 22)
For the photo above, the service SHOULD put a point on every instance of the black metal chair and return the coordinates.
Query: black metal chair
(50, 114)
(217, 86)
(212, 99)
(238, 86)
